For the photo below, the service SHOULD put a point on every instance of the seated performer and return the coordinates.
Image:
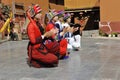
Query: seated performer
(53, 18)
(40, 54)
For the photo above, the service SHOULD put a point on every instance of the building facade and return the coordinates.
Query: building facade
(110, 16)
(100, 12)
(82, 9)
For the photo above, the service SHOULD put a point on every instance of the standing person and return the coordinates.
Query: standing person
(83, 22)
(40, 54)
(53, 18)
(2, 22)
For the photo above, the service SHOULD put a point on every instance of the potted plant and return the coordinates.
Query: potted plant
(115, 34)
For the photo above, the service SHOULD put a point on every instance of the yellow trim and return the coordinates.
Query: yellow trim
(6, 23)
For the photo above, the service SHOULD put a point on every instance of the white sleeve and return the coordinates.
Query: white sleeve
(65, 25)
(42, 36)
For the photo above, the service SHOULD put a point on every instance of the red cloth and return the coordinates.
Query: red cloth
(49, 27)
(63, 42)
(34, 35)
(63, 47)
(53, 47)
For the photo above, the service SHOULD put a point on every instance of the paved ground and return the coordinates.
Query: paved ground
(99, 59)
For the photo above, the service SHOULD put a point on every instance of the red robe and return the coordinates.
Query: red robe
(36, 50)
(63, 42)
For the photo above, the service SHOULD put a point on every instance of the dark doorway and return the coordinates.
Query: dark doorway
(93, 21)
(92, 13)
(58, 2)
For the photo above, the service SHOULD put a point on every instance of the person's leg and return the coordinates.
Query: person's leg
(63, 47)
(64, 53)
(59, 49)
(76, 44)
(80, 41)
(3, 35)
(48, 59)
(16, 36)
(53, 47)
(70, 42)
(11, 35)
(40, 57)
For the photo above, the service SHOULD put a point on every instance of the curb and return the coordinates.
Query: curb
(1, 41)
(115, 38)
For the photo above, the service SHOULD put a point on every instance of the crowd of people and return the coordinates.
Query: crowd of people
(4, 15)
(54, 42)
(10, 28)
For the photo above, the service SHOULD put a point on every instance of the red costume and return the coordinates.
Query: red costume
(63, 42)
(37, 50)
(38, 53)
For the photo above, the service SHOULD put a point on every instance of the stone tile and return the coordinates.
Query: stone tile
(105, 74)
(99, 59)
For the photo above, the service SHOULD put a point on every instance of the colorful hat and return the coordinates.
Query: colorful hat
(60, 13)
(66, 16)
(33, 10)
(37, 9)
(51, 14)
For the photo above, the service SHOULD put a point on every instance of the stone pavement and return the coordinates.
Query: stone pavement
(1, 41)
(98, 59)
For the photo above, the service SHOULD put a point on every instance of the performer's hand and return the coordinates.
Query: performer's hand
(51, 32)
(71, 29)
(54, 30)
(65, 29)
(75, 29)
(27, 12)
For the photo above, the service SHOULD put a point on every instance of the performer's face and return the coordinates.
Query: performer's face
(61, 19)
(69, 20)
(55, 18)
(38, 16)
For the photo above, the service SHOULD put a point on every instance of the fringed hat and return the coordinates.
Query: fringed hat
(51, 14)
(66, 16)
(34, 10)
(61, 13)
(37, 9)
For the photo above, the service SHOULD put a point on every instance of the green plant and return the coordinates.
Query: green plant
(101, 33)
(114, 33)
